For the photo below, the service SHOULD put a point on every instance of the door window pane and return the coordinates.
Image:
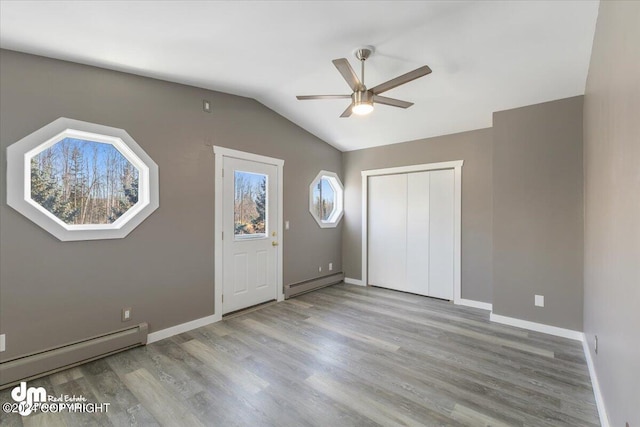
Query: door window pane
(250, 205)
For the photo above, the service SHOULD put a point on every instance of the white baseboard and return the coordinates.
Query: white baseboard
(184, 327)
(565, 333)
(538, 327)
(602, 410)
(356, 282)
(474, 304)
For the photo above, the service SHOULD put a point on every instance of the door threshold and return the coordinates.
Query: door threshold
(247, 310)
(412, 293)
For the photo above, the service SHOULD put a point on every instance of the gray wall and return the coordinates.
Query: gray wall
(537, 212)
(53, 292)
(612, 208)
(475, 149)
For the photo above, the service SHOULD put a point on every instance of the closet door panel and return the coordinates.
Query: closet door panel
(418, 233)
(441, 244)
(387, 224)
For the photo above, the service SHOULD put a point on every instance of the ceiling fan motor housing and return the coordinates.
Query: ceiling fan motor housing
(362, 97)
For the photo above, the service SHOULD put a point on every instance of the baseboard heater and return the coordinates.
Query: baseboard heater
(57, 359)
(313, 284)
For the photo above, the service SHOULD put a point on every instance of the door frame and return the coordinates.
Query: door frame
(456, 165)
(220, 153)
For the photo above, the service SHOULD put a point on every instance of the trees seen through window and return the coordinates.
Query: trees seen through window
(83, 182)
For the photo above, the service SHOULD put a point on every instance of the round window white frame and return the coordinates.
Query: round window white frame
(338, 210)
(19, 157)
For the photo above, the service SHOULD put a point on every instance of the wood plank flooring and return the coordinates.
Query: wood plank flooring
(340, 356)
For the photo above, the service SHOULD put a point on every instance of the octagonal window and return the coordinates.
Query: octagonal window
(325, 199)
(81, 181)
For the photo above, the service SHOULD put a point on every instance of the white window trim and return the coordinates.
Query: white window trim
(338, 210)
(456, 165)
(19, 157)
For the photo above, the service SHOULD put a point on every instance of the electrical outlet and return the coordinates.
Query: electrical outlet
(330, 266)
(126, 314)
(595, 345)
(320, 269)
(3, 342)
(539, 301)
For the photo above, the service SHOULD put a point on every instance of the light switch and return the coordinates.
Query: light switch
(539, 300)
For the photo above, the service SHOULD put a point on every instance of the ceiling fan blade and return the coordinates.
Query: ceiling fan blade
(347, 73)
(400, 80)
(391, 101)
(347, 112)
(306, 97)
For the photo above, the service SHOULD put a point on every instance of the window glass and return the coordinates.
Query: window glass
(83, 182)
(250, 204)
(324, 199)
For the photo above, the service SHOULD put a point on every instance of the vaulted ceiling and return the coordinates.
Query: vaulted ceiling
(486, 56)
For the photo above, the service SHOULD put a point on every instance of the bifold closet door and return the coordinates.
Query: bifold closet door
(411, 232)
(387, 224)
(418, 225)
(441, 247)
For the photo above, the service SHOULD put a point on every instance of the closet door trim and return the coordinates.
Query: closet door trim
(457, 212)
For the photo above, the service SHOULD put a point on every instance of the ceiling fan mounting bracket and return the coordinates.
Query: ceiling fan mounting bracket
(363, 52)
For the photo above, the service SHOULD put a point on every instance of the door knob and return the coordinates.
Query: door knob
(274, 243)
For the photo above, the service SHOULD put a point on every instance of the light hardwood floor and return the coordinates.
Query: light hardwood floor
(339, 356)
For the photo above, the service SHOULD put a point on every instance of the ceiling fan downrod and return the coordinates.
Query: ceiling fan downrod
(363, 54)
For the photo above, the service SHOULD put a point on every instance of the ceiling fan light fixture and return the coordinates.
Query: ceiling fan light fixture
(362, 108)
(362, 101)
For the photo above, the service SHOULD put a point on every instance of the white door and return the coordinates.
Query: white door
(441, 237)
(418, 233)
(388, 231)
(411, 232)
(249, 241)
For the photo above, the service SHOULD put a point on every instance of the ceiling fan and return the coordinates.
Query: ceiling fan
(362, 99)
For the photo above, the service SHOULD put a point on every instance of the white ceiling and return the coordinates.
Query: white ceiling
(486, 56)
